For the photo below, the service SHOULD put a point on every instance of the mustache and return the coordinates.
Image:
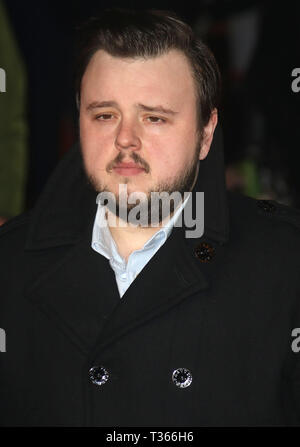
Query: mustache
(134, 157)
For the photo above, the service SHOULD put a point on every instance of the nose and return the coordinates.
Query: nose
(127, 136)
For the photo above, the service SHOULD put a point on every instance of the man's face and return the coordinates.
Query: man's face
(141, 112)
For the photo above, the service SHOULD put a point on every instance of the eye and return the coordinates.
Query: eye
(156, 119)
(104, 117)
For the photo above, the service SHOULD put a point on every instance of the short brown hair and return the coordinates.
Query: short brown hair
(150, 33)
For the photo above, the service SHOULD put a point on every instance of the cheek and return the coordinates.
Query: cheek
(91, 133)
(172, 153)
(95, 144)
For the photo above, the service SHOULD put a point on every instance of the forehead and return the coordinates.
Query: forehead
(166, 77)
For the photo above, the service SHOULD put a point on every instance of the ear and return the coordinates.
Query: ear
(208, 133)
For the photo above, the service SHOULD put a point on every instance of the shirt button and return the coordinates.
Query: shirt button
(123, 276)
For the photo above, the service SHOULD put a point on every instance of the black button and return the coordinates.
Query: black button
(182, 377)
(266, 205)
(204, 252)
(98, 375)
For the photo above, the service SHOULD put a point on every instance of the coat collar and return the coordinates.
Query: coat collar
(67, 205)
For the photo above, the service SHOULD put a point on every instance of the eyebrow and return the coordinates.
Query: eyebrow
(97, 105)
(159, 109)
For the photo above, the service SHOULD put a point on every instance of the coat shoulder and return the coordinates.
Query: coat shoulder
(13, 232)
(265, 214)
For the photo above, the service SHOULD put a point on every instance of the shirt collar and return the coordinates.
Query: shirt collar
(103, 240)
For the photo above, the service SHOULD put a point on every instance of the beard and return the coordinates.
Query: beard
(152, 211)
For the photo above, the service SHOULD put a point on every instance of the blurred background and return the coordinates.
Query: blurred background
(256, 45)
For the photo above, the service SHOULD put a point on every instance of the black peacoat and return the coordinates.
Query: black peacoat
(202, 337)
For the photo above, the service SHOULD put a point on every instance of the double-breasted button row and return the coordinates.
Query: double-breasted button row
(181, 377)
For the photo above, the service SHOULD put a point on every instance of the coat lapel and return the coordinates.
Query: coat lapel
(79, 292)
(171, 276)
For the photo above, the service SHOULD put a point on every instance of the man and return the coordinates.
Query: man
(116, 324)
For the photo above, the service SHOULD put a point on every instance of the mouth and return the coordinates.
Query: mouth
(128, 169)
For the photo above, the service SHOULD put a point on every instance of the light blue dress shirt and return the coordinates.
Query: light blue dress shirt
(103, 243)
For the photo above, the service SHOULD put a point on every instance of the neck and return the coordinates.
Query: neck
(128, 237)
